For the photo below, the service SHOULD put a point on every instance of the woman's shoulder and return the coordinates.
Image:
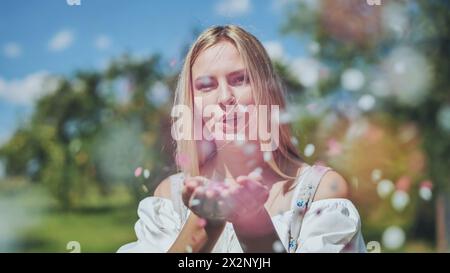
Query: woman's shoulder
(332, 194)
(164, 188)
(163, 198)
(332, 185)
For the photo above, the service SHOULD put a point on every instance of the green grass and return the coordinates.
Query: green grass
(101, 224)
(96, 231)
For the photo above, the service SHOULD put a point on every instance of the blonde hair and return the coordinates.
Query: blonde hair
(262, 79)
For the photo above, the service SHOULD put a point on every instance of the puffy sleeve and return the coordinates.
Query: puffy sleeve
(157, 227)
(331, 225)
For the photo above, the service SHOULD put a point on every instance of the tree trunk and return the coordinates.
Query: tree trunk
(441, 231)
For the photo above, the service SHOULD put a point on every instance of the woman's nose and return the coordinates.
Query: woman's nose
(226, 96)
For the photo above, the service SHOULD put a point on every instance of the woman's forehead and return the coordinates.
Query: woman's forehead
(221, 58)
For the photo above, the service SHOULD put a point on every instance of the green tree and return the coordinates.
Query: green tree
(353, 34)
(95, 129)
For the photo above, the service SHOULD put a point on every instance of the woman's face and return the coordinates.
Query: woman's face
(219, 79)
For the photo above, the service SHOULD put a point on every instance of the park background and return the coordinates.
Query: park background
(86, 88)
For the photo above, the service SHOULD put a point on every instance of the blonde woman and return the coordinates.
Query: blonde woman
(243, 193)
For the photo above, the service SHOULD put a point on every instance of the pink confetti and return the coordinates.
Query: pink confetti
(334, 147)
(426, 184)
(403, 183)
(201, 222)
(138, 172)
(173, 62)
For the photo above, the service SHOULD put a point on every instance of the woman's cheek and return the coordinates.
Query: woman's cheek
(202, 102)
(244, 96)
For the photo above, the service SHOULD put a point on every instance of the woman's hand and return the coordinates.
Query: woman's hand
(190, 185)
(225, 201)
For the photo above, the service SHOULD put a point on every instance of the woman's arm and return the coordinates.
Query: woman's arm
(196, 234)
(256, 233)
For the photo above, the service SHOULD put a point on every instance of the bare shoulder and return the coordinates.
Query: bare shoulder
(332, 185)
(163, 189)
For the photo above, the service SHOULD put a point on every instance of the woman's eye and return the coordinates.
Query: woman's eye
(239, 80)
(205, 84)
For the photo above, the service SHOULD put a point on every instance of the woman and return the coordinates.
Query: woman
(243, 194)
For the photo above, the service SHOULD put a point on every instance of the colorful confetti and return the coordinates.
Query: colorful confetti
(294, 141)
(146, 173)
(285, 117)
(195, 202)
(393, 237)
(257, 171)
(278, 247)
(400, 200)
(366, 102)
(307, 70)
(189, 249)
(409, 75)
(403, 184)
(173, 62)
(376, 175)
(309, 150)
(158, 94)
(250, 148)
(267, 156)
(384, 188)
(443, 118)
(352, 79)
(201, 222)
(138, 171)
(425, 191)
(334, 147)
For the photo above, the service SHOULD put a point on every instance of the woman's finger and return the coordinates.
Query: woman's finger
(189, 187)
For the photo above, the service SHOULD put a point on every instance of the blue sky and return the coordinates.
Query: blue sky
(39, 37)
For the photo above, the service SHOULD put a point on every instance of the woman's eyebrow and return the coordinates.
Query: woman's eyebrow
(237, 72)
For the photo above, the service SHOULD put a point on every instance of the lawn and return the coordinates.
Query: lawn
(32, 222)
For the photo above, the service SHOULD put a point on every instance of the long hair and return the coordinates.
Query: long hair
(266, 87)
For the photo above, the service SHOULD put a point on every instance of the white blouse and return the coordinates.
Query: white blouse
(329, 225)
